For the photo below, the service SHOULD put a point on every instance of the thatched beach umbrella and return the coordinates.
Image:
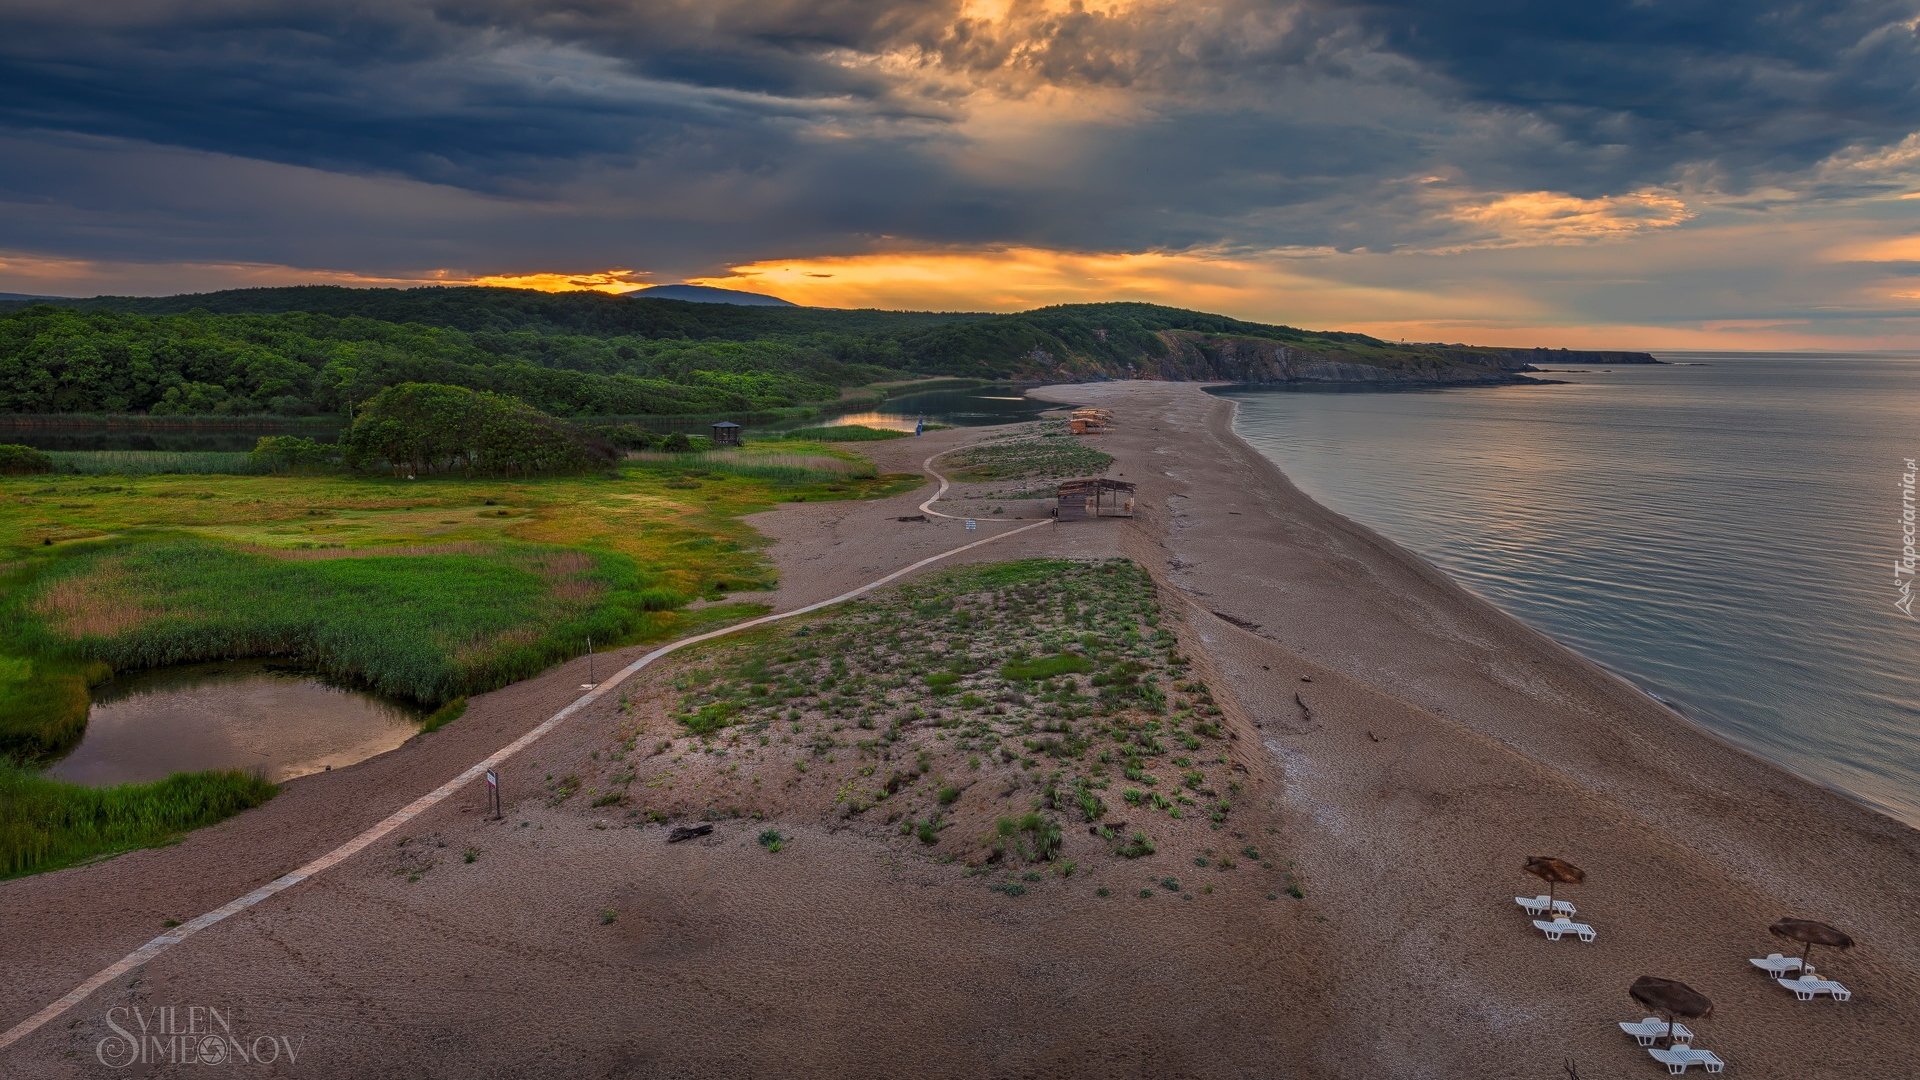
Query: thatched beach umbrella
(1670, 998)
(1810, 933)
(1554, 872)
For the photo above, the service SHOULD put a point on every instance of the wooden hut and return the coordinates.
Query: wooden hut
(726, 433)
(1089, 421)
(1098, 497)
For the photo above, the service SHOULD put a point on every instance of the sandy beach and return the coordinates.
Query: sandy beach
(1405, 747)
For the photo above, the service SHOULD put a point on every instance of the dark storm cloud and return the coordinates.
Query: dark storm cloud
(834, 122)
(1636, 90)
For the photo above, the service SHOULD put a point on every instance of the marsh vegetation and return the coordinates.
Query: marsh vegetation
(426, 589)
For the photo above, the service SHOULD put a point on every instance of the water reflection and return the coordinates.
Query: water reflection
(976, 407)
(248, 714)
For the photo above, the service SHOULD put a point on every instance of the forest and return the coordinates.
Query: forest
(322, 350)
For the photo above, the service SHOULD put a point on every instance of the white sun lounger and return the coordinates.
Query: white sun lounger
(1653, 1028)
(1776, 965)
(1537, 905)
(1680, 1058)
(1807, 987)
(1557, 927)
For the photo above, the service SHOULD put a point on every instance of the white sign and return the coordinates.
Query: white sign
(492, 780)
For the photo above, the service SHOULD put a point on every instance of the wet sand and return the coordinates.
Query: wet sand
(1437, 744)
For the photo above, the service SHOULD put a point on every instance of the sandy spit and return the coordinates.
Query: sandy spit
(1437, 744)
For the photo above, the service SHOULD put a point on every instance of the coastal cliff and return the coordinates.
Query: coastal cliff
(1189, 356)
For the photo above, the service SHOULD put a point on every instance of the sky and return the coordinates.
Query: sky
(1712, 174)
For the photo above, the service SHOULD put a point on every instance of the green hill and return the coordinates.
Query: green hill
(323, 349)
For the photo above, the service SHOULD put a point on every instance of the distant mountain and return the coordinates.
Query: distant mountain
(27, 296)
(707, 294)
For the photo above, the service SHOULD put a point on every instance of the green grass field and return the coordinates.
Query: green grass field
(430, 589)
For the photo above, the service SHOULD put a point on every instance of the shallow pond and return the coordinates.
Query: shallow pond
(975, 407)
(244, 714)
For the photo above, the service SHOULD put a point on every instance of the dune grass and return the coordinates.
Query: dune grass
(46, 823)
(1035, 689)
(1048, 455)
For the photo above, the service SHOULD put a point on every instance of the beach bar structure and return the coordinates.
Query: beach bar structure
(1089, 421)
(1098, 497)
(726, 433)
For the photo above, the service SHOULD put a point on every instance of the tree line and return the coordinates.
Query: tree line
(57, 360)
(313, 350)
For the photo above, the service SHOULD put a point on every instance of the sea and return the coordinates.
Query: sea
(1724, 530)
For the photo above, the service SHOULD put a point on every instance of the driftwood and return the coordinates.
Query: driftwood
(1116, 826)
(1306, 711)
(912, 517)
(688, 832)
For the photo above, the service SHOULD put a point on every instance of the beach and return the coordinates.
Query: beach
(1405, 747)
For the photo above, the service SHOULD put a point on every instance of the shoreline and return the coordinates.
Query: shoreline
(1627, 678)
(1521, 744)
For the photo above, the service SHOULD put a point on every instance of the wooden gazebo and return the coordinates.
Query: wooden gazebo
(726, 433)
(1097, 497)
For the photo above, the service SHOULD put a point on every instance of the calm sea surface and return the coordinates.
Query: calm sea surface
(1722, 531)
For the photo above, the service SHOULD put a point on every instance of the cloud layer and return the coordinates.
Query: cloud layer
(522, 137)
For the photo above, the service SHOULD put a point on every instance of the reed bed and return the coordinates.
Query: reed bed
(427, 627)
(157, 463)
(46, 823)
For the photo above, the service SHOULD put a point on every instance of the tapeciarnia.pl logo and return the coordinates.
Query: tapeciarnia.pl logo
(1903, 568)
(193, 1035)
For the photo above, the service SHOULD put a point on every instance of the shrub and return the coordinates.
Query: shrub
(424, 427)
(17, 460)
(772, 840)
(279, 452)
(1136, 847)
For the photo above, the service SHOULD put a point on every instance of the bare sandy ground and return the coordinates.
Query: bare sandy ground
(1437, 744)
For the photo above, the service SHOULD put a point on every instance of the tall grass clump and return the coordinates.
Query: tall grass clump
(46, 824)
(158, 462)
(43, 704)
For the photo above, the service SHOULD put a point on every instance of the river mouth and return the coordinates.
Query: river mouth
(257, 715)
